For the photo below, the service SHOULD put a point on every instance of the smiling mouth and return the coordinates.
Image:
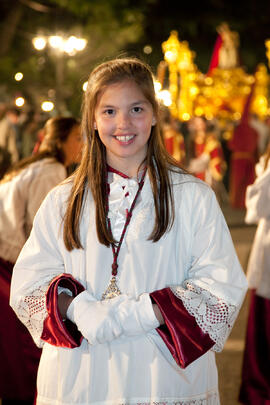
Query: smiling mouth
(125, 138)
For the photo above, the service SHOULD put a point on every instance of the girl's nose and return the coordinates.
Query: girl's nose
(123, 120)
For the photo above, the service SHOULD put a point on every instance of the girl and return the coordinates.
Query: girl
(21, 193)
(255, 388)
(129, 279)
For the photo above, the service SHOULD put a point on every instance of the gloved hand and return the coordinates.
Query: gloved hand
(136, 316)
(95, 319)
(104, 321)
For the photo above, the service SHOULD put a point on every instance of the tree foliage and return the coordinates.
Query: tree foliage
(108, 26)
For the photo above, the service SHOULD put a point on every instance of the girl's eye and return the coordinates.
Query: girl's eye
(137, 109)
(109, 111)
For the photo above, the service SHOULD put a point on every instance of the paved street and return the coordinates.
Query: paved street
(230, 360)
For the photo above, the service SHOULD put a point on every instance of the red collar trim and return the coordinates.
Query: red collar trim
(111, 169)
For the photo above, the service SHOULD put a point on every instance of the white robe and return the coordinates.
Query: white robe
(133, 370)
(20, 199)
(258, 211)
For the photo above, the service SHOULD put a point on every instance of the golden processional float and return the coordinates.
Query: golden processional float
(221, 92)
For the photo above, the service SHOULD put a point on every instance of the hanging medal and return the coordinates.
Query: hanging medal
(113, 290)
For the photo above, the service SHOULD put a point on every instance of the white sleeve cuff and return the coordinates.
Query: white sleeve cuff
(78, 301)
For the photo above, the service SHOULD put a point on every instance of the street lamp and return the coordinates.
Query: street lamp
(60, 46)
(47, 106)
(70, 45)
(18, 76)
(39, 43)
(20, 101)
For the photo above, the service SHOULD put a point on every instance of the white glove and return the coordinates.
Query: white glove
(104, 321)
(136, 316)
(95, 319)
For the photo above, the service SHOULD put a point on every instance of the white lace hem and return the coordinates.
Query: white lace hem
(214, 316)
(209, 398)
(32, 311)
(206, 399)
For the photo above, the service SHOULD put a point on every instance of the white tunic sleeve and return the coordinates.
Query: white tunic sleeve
(215, 285)
(39, 262)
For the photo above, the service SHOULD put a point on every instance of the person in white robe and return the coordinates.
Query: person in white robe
(255, 385)
(128, 309)
(22, 190)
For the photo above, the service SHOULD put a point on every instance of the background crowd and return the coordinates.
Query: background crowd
(222, 153)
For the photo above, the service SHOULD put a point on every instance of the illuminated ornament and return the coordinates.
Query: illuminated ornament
(165, 97)
(261, 93)
(157, 86)
(171, 49)
(182, 76)
(220, 93)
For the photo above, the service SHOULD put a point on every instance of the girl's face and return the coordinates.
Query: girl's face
(72, 146)
(123, 118)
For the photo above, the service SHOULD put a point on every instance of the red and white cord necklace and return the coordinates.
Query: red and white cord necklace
(113, 289)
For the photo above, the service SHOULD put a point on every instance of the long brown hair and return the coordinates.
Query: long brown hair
(56, 132)
(92, 171)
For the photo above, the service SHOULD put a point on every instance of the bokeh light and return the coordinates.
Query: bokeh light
(47, 106)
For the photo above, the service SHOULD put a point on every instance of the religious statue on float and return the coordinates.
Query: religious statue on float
(228, 53)
(226, 50)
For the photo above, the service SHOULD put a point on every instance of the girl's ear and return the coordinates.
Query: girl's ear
(154, 121)
(95, 125)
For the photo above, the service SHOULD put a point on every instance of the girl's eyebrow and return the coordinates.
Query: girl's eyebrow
(139, 102)
(130, 105)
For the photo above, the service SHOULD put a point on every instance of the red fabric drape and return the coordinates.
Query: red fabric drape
(243, 158)
(19, 356)
(59, 332)
(215, 55)
(255, 387)
(181, 333)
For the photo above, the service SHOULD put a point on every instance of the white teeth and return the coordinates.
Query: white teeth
(125, 138)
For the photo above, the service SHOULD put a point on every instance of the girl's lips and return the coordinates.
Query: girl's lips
(124, 139)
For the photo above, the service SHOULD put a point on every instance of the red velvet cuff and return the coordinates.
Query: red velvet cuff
(181, 333)
(56, 331)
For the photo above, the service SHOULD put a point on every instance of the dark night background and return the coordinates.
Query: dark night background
(115, 26)
(196, 22)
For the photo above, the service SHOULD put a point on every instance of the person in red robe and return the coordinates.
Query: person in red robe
(243, 158)
(207, 161)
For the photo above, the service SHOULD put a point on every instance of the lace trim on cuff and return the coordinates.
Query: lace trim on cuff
(214, 316)
(32, 309)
